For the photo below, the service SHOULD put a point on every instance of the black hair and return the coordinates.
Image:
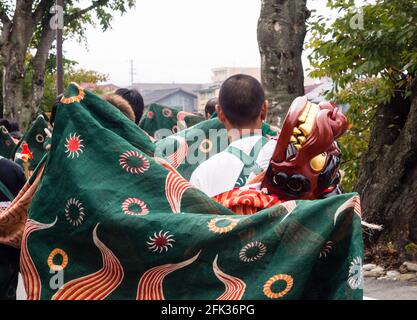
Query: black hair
(210, 107)
(10, 125)
(54, 106)
(241, 98)
(135, 100)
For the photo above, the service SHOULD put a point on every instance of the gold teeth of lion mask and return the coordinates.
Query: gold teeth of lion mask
(305, 163)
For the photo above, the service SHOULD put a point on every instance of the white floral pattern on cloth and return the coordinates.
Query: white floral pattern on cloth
(160, 242)
(74, 145)
(326, 249)
(355, 279)
(126, 162)
(139, 207)
(71, 205)
(252, 251)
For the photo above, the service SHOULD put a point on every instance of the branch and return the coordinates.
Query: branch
(40, 11)
(7, 24)
(4, 18)
(81, 12)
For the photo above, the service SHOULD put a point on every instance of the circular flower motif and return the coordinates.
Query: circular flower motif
(39, 138)
(8, 143)
(252, 251)
(51, 257)
(167, 112)
(134, 207)
(175, 129)
(279, 277)
(74, 146)
(326, 249)
(4, 130)
(74, 212)
(355, 279)
(150, 115)
(222, 225)
(133, 162)
(205, 146)
(160, 242)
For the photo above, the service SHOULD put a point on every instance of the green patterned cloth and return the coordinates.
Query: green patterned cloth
(113, 223)
(7, 145)
(35, 137)
(160, 117)
(189, 148)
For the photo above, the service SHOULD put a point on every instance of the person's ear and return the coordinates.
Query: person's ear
(220, 114)
(264, 110)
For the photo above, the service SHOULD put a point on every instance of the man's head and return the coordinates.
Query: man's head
(242, 103)
(210, 107)
(135, 100)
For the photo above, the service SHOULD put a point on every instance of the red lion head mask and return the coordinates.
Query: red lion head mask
(305, 163)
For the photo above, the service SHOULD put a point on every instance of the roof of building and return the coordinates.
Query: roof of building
(157, 95)
(144, 88)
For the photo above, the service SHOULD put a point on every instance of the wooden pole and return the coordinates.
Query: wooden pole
(59, 63)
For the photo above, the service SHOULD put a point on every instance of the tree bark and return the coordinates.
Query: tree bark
(281, 33)
(16, 37)
(388, 178)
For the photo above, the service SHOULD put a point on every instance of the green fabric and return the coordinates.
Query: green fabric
(5, 191)
(35, 137)
(160, 117)
(249, 161)
(7, 145)
(121, 218)
(209, 136)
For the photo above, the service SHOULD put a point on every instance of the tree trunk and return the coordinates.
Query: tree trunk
(281, 33)
(13, 82)
(388, 179)
(14, 45)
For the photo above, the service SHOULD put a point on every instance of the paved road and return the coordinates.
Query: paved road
(374, 290)
(390, 290)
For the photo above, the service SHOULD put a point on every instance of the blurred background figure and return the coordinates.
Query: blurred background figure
(135, 100)
(210, 107)
(12, 127)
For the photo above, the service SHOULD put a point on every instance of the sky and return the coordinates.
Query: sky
(175, 40)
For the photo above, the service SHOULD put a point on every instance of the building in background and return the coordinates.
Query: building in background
(192, 97)
(221, 74)
(175, 98)
(206, 93)
(182, 96)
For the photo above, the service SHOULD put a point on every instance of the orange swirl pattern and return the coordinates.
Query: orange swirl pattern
(77, 98)
(175, 186)
(215, 228)
(181, 119)
(277, 295)
(96, 286)
(235, 288)
(246, 202)
(178, 156)
(30, 275)
(151, 283)
(354, 202)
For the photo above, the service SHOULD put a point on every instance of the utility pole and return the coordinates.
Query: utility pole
(59, 10)
(132, 72)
